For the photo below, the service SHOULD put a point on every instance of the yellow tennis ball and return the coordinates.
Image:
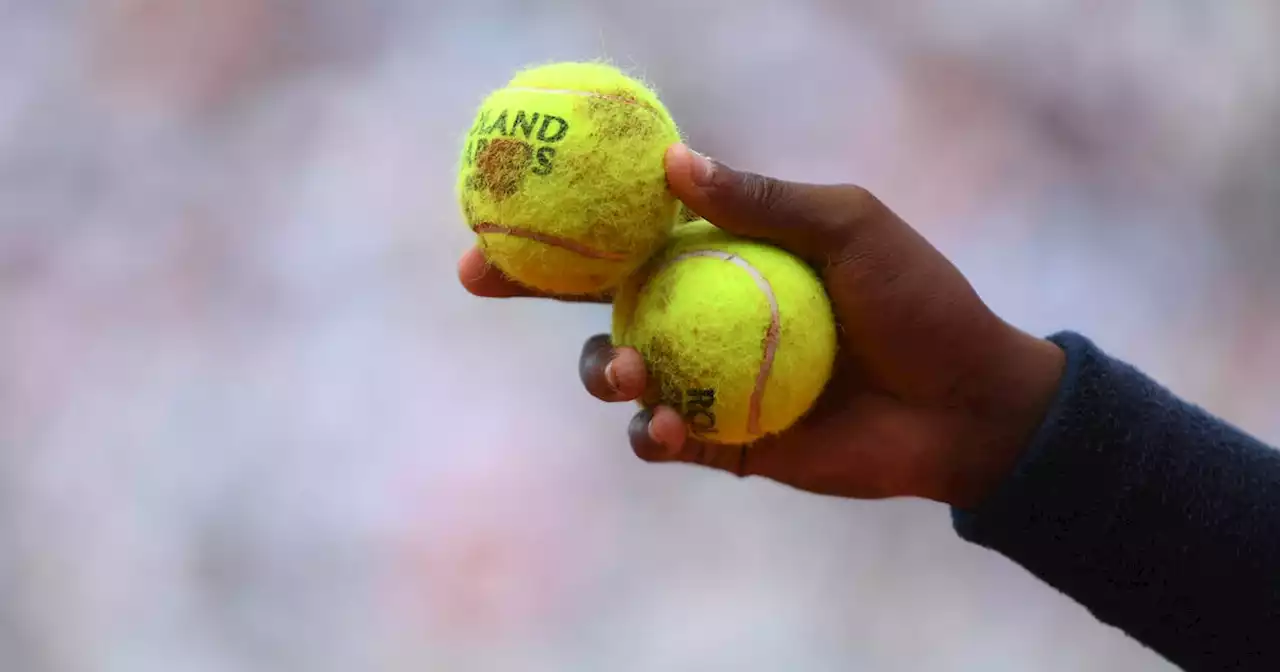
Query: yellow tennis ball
(562, 177)
(737, 335)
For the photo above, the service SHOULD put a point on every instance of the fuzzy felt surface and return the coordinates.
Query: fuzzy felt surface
(737, 335)
(562, 177)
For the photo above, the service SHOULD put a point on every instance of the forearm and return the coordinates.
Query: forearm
(1159, 518)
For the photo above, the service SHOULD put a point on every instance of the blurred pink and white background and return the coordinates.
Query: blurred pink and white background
(249, 420)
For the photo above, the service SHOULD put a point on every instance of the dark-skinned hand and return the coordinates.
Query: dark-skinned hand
(933, 394)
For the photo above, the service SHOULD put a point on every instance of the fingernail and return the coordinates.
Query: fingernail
(671, 445)
(666, 447)
(611, 375)
(701, 169)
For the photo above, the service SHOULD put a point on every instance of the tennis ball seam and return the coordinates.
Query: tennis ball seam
(561, 242)
(773, 334)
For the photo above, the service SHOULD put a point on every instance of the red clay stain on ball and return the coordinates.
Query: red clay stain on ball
(501, 167)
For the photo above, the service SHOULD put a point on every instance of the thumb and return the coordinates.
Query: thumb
(820, 223)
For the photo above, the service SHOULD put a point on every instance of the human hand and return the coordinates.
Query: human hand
(933, 395)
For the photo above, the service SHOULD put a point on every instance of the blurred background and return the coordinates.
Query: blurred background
(249, 420)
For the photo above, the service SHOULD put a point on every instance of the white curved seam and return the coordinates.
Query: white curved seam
(772, 334)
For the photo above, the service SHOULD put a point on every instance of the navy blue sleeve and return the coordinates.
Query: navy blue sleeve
(1159, 518)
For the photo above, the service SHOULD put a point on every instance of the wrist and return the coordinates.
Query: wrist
(1011, 404)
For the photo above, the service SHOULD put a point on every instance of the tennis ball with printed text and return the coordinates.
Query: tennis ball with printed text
(737, 335)
(562, 177)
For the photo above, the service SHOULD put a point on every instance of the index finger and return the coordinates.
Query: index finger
(482, 278)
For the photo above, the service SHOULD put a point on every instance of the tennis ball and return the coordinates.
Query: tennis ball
(737, 335)
(562, 177)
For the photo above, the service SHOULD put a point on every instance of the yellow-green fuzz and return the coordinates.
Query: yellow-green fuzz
(738, 336)
(562, 177)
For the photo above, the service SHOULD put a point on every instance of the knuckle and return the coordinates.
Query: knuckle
(852, 209)
(851, 216)
(859, 203)
(769, 194)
